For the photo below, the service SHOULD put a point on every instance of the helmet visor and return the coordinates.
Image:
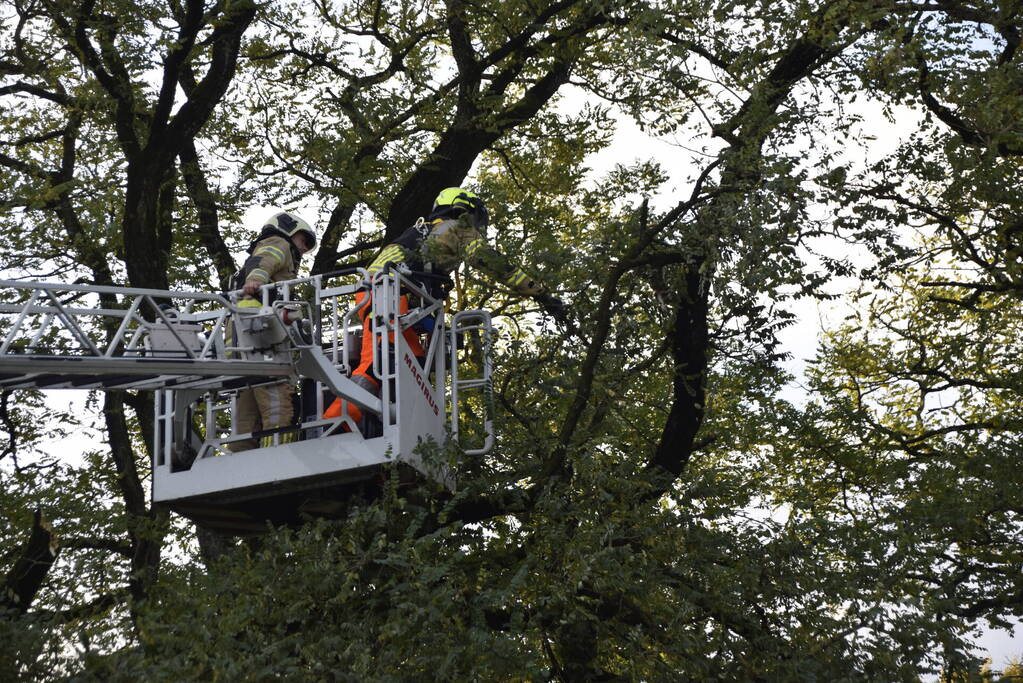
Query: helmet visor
(480, 217)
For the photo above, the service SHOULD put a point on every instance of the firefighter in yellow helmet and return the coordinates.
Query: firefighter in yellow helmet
(452, 233)
(273, 257)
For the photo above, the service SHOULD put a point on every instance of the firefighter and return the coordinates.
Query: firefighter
(452, 233)
(273, 257)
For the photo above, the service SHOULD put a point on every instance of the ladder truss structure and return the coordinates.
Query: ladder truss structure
(198, 351)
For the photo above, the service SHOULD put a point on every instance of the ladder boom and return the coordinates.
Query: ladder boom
(54, 372)
(157, 339)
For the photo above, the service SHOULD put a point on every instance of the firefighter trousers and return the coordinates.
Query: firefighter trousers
(263, 407)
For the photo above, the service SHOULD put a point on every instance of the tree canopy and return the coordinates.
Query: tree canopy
(666, 499)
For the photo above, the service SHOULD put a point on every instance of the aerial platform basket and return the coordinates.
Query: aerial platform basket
(199, 350)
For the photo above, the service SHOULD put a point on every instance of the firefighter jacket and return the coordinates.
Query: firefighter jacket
(440, 245)
(271, 259)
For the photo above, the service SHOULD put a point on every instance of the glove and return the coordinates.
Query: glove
(554, 306)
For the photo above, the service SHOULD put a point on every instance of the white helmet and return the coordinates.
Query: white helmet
(290, 223)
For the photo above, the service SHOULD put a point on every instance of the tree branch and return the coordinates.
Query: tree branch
(964, 130)
(96, 543)
(30, 569)
(206, 210)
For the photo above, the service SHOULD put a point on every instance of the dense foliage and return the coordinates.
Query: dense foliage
(666, 500)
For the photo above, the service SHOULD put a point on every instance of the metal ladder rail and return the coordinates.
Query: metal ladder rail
(162, 427)
(142, 374)
(124, 353)
(340, 326)
(211, 365)
(182, 365)
(384, 323)
(218, 402)
(388, 325)
(67, 316)
(484, 382)
(435, 357)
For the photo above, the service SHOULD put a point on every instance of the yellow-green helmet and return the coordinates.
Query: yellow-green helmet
(454, 201)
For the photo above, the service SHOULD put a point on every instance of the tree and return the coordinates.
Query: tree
(95, 91)
(656, 508)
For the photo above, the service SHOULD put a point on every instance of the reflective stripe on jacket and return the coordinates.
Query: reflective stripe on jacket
(271, 261)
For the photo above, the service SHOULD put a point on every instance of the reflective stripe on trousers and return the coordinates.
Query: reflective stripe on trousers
(259, 408)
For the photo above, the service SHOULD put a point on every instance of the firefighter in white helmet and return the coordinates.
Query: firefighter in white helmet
(273, 257)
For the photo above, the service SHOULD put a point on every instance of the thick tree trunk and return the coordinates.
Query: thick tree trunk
(327, 254)
(213, 546)
(461, 145)
(146, 525)
(690, 347)
(144, 256)
(30, 568)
